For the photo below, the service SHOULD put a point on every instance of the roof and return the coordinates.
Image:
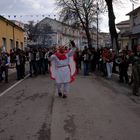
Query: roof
(135, 10)
(11, 23)
(125, 22)
(47, 18)
(65, 24)
(125, 34)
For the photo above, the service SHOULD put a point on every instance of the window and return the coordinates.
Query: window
(17, 44)
(134, 21)
(11, 44)
(21, 44)
(135, 18)
(4, 44)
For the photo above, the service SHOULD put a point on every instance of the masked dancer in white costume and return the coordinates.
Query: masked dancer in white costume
(63, 68)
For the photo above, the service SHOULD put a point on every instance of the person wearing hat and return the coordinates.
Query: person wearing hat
(63, 68)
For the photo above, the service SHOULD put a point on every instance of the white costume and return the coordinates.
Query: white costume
(63, 69)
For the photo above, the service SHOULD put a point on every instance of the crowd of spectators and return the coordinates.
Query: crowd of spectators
(89, 60)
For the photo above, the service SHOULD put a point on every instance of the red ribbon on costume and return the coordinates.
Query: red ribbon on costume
(61, 56)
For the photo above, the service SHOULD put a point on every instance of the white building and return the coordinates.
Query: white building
(62, 33)
(123, 38)
(104, 39)
(134, 28)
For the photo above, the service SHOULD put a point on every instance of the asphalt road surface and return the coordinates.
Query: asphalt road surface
(96, 109)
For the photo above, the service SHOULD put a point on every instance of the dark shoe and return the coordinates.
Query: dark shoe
(130, 83)
(64, 96)
(60, 94)
(121, 81)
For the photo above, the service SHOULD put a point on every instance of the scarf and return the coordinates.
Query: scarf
(61, 56)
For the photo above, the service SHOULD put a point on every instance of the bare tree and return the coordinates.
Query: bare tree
(30, 29)
(111, 17)
(39, 33)
(42, 34)
(79, 12)
(84, 11)
(112, 28)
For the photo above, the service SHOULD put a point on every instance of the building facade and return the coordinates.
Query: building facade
(134, 28)
(104, 40)
(62, 33)
(22, 25)
(11, 35)
(124, 32)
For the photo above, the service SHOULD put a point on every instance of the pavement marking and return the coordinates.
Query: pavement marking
(4, 92)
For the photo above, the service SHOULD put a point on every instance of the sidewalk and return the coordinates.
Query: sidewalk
(11, 71)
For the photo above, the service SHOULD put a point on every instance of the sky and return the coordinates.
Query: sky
(24, 10)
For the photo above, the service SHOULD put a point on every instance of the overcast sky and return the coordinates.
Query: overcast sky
(34, 9)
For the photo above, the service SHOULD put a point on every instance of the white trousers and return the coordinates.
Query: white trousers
(63, 87)
(109, 67)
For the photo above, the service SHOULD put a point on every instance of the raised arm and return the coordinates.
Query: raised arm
(73, 49)
(71, 52)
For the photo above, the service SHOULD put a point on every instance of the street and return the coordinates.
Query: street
(96, 109)
(97, 43)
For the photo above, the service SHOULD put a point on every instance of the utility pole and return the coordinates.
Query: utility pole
(132, 6)
(97, 25)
